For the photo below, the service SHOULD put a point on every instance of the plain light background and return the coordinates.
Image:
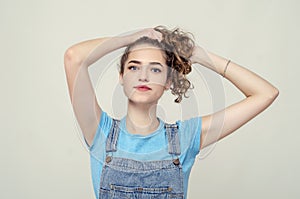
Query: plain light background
(42, 155)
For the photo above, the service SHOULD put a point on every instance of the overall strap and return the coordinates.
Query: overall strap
(112, 138)
(173, 138)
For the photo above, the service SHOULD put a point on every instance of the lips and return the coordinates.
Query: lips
(142, 88)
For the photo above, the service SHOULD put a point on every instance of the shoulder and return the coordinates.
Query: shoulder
(190, 125)
(190, 134)
(103, 129)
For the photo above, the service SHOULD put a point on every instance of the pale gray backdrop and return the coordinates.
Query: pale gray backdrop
(42, 155)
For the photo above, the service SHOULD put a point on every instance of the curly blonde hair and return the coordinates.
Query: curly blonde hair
(178, 47)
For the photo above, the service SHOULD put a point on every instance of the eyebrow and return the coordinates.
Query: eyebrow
(150, 63)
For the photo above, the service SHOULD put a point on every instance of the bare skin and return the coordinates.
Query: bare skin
(141, 116)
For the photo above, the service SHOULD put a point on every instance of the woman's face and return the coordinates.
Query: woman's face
(144, 78)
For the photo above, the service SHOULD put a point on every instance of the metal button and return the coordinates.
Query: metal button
(108, 159)
(176, 161)
(170, 189)
(140, 189)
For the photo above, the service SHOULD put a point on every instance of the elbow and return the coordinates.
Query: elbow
(71, 57)
(272, 95)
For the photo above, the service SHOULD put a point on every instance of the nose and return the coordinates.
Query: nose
(144, 75)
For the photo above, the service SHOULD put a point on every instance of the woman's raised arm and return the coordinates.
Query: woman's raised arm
(77, 59)
(259, 94)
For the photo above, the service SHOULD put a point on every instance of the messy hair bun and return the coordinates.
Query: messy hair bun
(179, 48)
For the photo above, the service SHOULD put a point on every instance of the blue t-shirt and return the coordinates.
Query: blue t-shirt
(145, 148)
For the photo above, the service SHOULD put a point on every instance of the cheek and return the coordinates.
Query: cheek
(159, 80)
(129, 77)
(128, 82)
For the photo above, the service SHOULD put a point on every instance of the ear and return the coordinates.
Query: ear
(121, 79)
(168, 84)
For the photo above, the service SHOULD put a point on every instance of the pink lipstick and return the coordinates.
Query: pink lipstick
(142, 88)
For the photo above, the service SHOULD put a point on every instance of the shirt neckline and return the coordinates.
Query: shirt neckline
(123, 129)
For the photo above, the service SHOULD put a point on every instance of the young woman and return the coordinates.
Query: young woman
(140, 156)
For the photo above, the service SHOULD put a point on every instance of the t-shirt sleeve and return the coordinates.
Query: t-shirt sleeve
(101, 132)
(190, 134)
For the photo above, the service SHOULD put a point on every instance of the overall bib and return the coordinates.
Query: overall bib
(127, 178)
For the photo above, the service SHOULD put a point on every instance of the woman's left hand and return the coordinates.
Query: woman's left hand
(200, 56)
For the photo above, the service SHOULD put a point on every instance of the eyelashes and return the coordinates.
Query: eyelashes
(132, 67)
(156, 70)
(153, 69)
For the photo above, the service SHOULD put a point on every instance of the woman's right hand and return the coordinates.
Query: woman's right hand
(147, 32)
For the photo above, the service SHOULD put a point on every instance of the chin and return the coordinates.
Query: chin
(138, 99)
(142, 101)
(143, 98)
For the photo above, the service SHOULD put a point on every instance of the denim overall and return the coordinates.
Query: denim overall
(127, 178)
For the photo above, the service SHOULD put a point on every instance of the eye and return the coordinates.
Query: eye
(156, 70)
(132, 67)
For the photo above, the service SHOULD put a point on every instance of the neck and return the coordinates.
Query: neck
(141, 118)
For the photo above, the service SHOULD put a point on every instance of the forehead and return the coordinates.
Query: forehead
(147, 53)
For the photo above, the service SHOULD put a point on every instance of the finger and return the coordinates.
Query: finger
(157, 35)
